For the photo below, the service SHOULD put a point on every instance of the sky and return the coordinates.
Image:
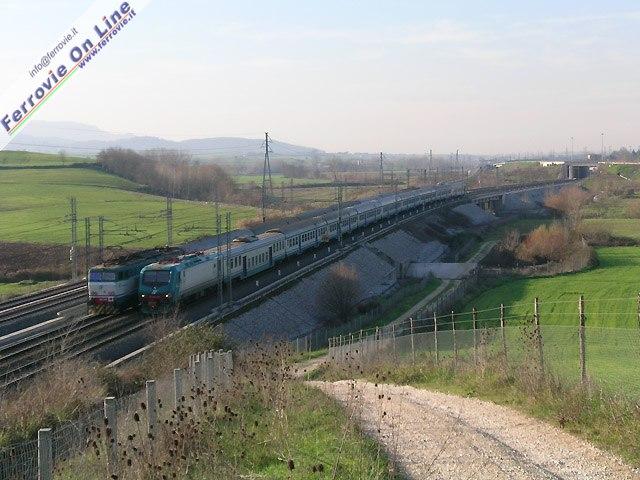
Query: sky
(400, 76)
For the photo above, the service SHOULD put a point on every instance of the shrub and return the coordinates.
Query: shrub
(339, 294)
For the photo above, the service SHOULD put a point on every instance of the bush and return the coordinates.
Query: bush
(338, 295)
(545, 244)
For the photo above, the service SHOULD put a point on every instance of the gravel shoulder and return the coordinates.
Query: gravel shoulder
(433, 435)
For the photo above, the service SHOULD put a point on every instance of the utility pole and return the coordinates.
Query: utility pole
(457, 159)
(219, 261)
(571, 158)
(73, 249)
(87, 244)
(381, 171)
(228, 259)
(169, 214)
(266, 169)
(602, 140)
(339, 195)
(408, 177)
(101, 238)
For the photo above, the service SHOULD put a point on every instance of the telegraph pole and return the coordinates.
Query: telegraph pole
(101, 238)
(219, 261)
(228, 260)
(87, 244)
(381, 171)
(408, 177)
(339, 195)
(169, 214)
(266, 169)
(73, 249)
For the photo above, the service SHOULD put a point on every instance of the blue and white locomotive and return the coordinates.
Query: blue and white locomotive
(113, 285)
(164, 285)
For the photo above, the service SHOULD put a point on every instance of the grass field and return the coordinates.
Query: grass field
(619, 227)
(33, 159)
(35, 206)
(610, 292)
(8, 290)
(277, 179)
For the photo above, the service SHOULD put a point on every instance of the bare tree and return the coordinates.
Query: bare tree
(62, 156)
(569, 203)
(338, 295)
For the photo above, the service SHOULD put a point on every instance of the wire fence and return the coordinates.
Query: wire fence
(37, 459)
(601, 357)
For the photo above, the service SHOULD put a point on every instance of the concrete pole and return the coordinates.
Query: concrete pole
(475, 335)
(45, 454)
(152, 407)
(503, 333)
(413, 350)
(435, 336)
(177, 388)
(111, 437)
(536, 319)
(455, 344)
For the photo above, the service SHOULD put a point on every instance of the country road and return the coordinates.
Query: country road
(433, 435)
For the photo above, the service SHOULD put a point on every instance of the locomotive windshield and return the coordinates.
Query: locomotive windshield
(102, 276)
(155, 278)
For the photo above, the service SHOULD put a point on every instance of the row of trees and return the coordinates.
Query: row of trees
(169, 172)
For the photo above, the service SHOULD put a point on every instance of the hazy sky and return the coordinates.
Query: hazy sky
(399, 76)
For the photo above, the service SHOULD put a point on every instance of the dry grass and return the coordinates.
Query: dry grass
(64, 391)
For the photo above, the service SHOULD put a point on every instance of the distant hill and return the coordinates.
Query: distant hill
(87, 140)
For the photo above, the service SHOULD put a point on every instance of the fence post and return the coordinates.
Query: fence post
(413, 350)
(582, 339)
(177, 388)
(638, 309)
(474, 317)
(45, 454)
(435, 336)
(536, 320)
(455, 343)
(152, 406)
(111, 434)
(393, 334)
(503, 333)
(297, 345)
(377, 337)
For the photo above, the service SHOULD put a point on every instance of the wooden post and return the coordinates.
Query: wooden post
(503, 333)
(582, 339)
(45, 454)
(177, 387)
(377, 338)
(413, 350)
(152, 406)
(536, 320)
(474, 317)
(435, 336)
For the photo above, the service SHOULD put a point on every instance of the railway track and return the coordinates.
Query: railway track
(41, 301)
(29, 351)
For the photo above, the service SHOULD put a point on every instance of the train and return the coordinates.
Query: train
(113, 285)
(166, 284)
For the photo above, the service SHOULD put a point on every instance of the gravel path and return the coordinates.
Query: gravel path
(432, 435)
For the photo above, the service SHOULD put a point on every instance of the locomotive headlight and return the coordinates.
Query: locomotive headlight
(143, 295)
(167, 296)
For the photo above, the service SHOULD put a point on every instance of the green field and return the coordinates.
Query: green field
(33, 159)
(8, 290)
(619, 227)
(277, 179)
(35, 206)
(610, 293)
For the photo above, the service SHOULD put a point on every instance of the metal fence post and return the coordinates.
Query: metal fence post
(177, 388)
(393, 335)
(435, 336)
(413, 350)
(536, 319)
(474, 317)
(45, 454)
(111, 434)
(582, 339)
(152, 406)
(503, 333)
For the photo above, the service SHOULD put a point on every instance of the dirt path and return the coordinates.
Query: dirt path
(437, 436)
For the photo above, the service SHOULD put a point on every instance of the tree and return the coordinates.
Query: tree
(62, 155)
(568, 202)
(338, 294)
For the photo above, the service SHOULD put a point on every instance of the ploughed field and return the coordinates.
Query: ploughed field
(35, 208)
